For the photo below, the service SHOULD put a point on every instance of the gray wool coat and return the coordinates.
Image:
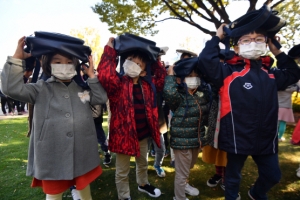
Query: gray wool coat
(63, 143)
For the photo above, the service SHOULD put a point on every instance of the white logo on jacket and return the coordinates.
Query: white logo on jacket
(248, 86)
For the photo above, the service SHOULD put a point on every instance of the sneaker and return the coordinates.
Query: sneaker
(75, 194)
(150, 190)
(160, 171)
(214, 180)
(298, 172)
(191, 190)
(107, 158)
(172, 163)
(239, 197)
(174, 198)
(167, 153)
(250, 195)
(153, 153)
(222, 185)
(11, 113)
(20, 113)
(128, 198)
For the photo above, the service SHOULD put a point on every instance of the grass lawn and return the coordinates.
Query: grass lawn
(14, 185)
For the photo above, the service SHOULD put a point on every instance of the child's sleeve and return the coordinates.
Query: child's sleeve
(98, 94)
(159, 76)
(12, 82)
(287, 73)
(107, 74)
(209, 62)
(170, 93)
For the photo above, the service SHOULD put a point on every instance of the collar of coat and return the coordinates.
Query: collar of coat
(267, 61)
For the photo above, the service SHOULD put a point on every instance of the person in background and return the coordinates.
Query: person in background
(285, 110)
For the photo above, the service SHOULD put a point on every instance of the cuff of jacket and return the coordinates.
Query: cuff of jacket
(93, 80)
(16, 61)
(111, 53)
(215, 40)
(170, 78)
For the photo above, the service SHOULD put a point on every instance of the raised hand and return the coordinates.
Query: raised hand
(20, 53)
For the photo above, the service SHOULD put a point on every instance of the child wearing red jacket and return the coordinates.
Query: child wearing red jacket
(134, 118)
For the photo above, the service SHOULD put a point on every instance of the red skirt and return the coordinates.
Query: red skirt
(59, 186)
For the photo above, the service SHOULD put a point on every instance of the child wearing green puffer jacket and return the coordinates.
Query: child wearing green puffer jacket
(188, 99)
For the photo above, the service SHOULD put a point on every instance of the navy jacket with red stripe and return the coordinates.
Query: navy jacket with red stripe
(248, 98)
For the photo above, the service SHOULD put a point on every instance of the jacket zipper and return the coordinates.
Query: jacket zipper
(260, 106)
(199, 124)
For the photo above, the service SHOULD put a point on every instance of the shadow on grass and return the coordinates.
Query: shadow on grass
(15, 185)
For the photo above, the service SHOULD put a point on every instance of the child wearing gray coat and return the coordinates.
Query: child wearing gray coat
(63, 149)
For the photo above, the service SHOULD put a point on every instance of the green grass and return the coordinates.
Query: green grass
(14, 185)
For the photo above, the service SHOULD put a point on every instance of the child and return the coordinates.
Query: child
(133, 117)
(285, 111)
(249, 107)
(63, 144)
(190, 110)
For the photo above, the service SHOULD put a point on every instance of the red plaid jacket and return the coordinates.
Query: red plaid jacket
(122, 130)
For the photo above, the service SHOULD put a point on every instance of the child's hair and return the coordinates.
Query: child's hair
(258, 31)
(137, 54)
(185, 54)
(46, 61)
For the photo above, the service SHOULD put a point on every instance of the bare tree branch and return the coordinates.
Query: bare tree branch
(252, 5)
(204, 30)
(216, 22)
(196, 11)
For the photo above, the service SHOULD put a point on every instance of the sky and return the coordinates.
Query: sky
(23, 17)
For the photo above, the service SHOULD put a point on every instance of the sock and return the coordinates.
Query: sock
(85, 194)
(54, 196)
(281, 128)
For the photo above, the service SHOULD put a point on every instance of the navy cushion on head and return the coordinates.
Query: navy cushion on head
(46, 42)
(264, 19)
(295, 51)
(128, 42)
(185, 66)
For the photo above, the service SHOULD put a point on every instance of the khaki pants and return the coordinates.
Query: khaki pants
(123, 167)
(184, 161)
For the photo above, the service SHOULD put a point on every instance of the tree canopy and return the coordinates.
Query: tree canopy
(141, 16)
(91, 38)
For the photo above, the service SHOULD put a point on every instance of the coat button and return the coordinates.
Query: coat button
(69, 134)
(67, 114)
(66, 96)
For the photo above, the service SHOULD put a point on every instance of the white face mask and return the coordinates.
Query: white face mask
(63, 71)
(131, 69)
(252, 50)
(192, 82)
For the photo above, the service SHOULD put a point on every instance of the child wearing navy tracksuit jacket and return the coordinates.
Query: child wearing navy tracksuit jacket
(249, 108)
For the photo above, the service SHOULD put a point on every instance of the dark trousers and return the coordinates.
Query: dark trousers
(17, 104)
(101, 137)
(269, 175)
(9, 102)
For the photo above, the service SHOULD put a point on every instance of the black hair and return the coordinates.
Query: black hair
(137, 54)
(258, 31)
(185, 54)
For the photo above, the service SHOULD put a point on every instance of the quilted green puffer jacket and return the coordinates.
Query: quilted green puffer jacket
(185, 131)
